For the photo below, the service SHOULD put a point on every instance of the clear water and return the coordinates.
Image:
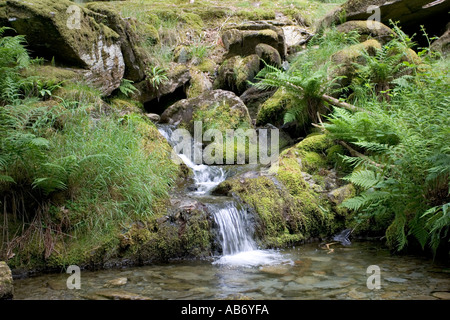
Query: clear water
(307, 272)
(244, 271)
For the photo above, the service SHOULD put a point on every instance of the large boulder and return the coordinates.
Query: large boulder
(295, 36)
(243, 39)
(268, 54)
(410, 13)
(377, 30)
(6, 282)
(443, 43)
(219, 107)
(51, 32)
(133, 35)
(346, 58)
(235, 73)
(156, 98)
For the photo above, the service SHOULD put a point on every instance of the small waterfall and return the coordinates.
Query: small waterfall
(234, 233)
(205, 177)
(238, 246)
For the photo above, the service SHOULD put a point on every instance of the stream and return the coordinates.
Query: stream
(246, 271)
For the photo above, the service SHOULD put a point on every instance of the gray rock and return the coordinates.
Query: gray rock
(153, 117)
(119, 282)
(410, 13)
(268, 54)
(396, 280)
(93, 47)
(295, 36)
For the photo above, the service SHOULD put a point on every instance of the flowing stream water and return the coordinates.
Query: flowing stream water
(238, 246)
(245, 271)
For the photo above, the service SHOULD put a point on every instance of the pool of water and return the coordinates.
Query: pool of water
(304, 272)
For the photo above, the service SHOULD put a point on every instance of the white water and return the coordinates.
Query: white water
(238, 246)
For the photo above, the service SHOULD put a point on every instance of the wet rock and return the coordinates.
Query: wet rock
(93, 47)
(443, 295)
(6, 282)
(277, 270)
(59, 284)
(119, 282)
(396, 280)
(307, 280)
(120, 295)
(356, 294)
(332, 284)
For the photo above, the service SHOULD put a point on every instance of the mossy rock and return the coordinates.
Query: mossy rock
(51, 74)
(346, 58)
(268, 54)
(90, 45)
(218, 109)
(244, 40)
(235, 73)
(287, 208)
(207, 65)
(272, 111)
(6, 282)
(134, 35)
(375, 30)
(198, 84)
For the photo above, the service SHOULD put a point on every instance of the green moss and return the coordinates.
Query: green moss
(272, 111)
(236, 72)
(192, 20)
(197, 85)
(207, 65)
(52, 74)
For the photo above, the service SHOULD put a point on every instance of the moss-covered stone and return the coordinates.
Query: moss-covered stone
(6, 282)
(346, 58)
(198, 84)
(89, 44)
(272, 111)
(288, 209)
(268, 54)
(375, 30)
(235, 73)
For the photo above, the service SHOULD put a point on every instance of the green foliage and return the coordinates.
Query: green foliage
(157, 76)
(126, 87)
(405, 167)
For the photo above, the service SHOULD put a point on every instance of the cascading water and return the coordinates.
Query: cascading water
(238, 246)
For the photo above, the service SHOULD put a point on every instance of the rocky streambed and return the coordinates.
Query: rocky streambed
(306, 272)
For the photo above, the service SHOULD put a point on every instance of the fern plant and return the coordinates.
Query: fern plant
(157, 76)
(126, 87)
